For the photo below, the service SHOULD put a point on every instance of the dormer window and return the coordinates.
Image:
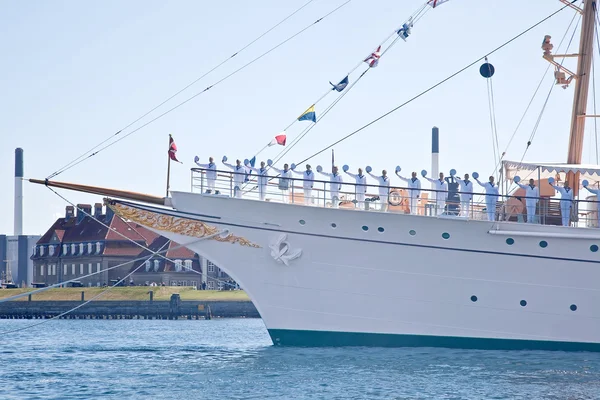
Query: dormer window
(178, 265)
(65, 249)
(80, 248)
(98, 247)
(188, 264)
(51, 250)
(90, 246)
(156, 265)
(73, 249)
(147, 264)
(41, 251)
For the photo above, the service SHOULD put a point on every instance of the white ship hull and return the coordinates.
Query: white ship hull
(348, 286)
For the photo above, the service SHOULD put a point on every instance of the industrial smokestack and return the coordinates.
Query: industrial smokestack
(18, 191)
(435, 154)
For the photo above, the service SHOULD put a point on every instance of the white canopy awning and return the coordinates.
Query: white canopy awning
(528, 170)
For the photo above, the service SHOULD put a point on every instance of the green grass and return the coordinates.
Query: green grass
(128, 293)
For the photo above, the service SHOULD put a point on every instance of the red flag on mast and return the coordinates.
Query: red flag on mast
(172, 149)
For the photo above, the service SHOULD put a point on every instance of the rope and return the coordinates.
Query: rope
(83, 157)
(434, 86)
(492, 111)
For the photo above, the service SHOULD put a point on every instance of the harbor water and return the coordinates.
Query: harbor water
(234, 359)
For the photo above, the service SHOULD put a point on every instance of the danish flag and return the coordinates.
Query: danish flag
(373, 59)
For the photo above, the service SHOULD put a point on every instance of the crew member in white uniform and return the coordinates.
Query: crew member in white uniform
(441, 194)
(384, 188)
(597, 193)
(466, 194)
(308, 178)
(414, 190)
(566, 202)
(263, 179)
(532, 195)
(239, 175)
(335, 184)
(361, 187)
(211, 173)
(285, 181)
(491, 197)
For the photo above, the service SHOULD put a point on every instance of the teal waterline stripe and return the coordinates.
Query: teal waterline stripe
(285, 337)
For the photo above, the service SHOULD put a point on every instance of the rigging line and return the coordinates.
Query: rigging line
(575, 15)
(435, 86)
(193, 82)
(84, 303)
(199, 93)
(490, 110)
(594, 88)
(494, 119)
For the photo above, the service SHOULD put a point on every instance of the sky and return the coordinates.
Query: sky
(74, 73)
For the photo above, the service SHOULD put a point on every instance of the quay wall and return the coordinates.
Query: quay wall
(129, 309)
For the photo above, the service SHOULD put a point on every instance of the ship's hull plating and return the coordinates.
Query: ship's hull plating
(382, 279)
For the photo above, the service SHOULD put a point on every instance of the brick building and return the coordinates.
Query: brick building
(79, 245)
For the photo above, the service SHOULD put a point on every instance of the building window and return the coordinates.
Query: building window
(53, 269)
(90, 246)
(42, 270)
(89, 268)
(73, 249)
(178, 266)
(73, 269)
(156, 265)
(97, 267)
(147, 264)
(194, 283)
(41, 250)
(80, 269)
(51, 250)
(211, 267)
(65, 270)
(80, 248)
(65, 249)
(188, 264)
(98, 247)
(211, 285)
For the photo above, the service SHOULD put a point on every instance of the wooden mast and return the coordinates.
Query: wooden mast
(584, 65)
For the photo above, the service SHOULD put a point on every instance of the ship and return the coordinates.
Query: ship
(325, 275)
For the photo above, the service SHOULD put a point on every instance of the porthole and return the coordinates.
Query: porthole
(523, 303)
(573, 307)
(302, 222)
(510, 241)
(446, 235)
(543, 244)
(333, 225)
(365, 228)
(594, 248)
(380, 229)
(473, 299)
(412, 232)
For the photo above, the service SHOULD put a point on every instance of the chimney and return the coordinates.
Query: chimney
(18, 228)
(82, 209)
(97, 210)
(69, 213)
(435, 154)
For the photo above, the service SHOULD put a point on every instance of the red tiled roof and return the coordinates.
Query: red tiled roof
(132, 250)
(180, 253)
(60, 233)
(131, 230)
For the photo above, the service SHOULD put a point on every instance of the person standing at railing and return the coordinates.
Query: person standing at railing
(441, 188)
(466, 195)
(361, 185)
(532, 195)
(566, 201)
(491, 196)
(211, 173)
(335, 184)
(285, 180)
(597, 193)
(414, 189)
(384, 187)
(308, 178)
(239, 175)
(263, 178)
